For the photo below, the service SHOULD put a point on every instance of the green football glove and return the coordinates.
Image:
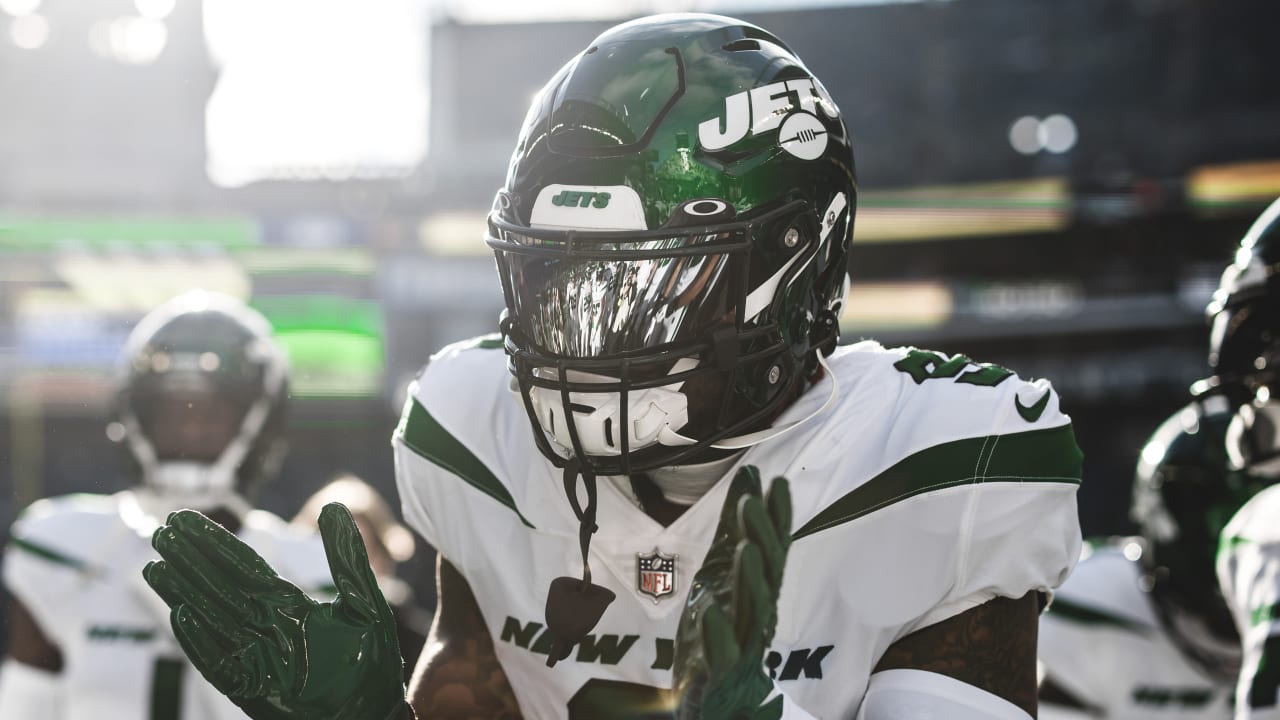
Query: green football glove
(264, 643)
(729, 619)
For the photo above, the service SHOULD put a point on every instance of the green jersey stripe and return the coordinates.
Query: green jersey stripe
(1085, 615)
(1049, 455)
(49, 554)
(425, 436)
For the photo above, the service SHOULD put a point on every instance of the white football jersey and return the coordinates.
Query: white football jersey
(929, 486)
(76, 563)
(1249, 574)
(1101, 641)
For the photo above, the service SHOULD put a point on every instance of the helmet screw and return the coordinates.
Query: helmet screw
(775, 373)
(791, 238)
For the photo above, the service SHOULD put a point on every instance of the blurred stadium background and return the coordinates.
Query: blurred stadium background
(1053, 186)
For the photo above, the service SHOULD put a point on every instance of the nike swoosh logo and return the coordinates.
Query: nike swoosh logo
(1032, 413)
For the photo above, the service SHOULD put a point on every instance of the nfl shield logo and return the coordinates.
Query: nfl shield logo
(656, 574)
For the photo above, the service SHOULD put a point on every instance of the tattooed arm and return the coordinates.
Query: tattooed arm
(458, 675)
(992, 647)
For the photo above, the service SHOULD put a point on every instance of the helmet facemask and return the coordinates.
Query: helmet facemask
(666, 332)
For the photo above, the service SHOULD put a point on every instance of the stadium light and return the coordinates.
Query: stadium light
(29, 32)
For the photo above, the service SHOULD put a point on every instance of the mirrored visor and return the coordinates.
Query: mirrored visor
(599, 299)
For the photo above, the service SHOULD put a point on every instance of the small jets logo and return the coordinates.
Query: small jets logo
(656, 574)
(577, 198)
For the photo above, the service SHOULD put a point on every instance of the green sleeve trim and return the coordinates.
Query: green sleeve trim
(425, 436)
(1085, 615)
(1047, 456)
(49, 554)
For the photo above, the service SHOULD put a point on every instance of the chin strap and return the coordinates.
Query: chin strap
(672, 438)
(574, 606)
(586, 516)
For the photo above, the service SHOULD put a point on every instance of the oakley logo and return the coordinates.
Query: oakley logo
(789, 106)
(578, 198)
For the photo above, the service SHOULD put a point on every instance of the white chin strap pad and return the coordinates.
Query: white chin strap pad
(190, 478)
(654, 414)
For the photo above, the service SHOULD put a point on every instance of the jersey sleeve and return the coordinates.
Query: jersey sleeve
(453, 448)
(1248, 568)
(1017, 525)
(48, 559)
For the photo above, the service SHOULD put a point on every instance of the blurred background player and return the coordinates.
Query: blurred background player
(202, 391)
(1245, 354)
(388, 544)
(1141, 628)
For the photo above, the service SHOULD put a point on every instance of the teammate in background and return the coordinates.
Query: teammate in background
(718, 513)
(1245, 354)
(1141, 629)
(387, 542)
(201, 391)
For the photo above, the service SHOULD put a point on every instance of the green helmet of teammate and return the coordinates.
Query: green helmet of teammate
(672, 239)
(202, 391)
(1244, 345)
(1184, 494)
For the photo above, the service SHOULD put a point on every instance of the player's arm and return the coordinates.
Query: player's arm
(29, 682)
(458, 674)
(28, 643)
(991, 647)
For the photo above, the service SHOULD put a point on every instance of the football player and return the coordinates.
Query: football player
(200, 407)
(663, 489)
(1246, 355)
(1141, 629)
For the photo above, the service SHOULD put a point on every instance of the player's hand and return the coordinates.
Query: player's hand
(264, 643)
(730, 616)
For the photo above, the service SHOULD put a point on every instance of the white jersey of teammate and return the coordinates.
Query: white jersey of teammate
(76, 563)
(1249, 574)
(1103, 644)
(928, 487)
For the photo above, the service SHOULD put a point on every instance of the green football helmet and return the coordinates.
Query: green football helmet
(201, 396)
(1244, 345)
(672, 240)
(1184, 493)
